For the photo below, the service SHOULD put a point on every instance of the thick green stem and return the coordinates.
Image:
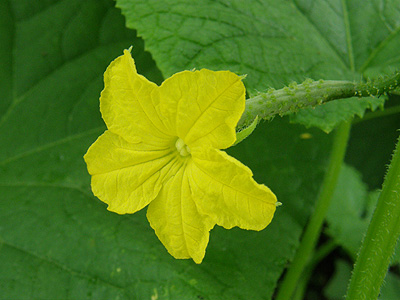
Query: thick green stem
(381, 238)
(313, 229)
(311, 93)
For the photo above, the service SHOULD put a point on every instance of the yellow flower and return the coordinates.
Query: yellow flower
(162, 149)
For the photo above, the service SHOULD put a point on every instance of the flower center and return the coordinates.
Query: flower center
(182, 148)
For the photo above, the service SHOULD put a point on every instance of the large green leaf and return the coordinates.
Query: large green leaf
(275, 42)
(329, 115)
(57, 241)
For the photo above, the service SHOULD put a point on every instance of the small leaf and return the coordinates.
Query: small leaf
(245, 132)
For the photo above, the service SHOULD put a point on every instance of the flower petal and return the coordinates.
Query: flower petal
(127, 104)
(177, 222)
(204, 106)
(224, 189)
(126, 176)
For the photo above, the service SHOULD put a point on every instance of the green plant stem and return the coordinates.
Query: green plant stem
(379, 243)
(317, 256)
(312, 93)
(313, 228)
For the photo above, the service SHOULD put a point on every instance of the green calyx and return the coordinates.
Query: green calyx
(246, 131)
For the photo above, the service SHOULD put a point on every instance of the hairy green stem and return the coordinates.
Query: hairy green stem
(314, 225)
(379, 243)
(311, 93)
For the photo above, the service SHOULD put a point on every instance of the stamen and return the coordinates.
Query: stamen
(182, 148)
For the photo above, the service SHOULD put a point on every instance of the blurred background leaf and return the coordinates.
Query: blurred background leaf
(57, 240)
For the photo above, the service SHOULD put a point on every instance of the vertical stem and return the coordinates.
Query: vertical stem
(317, 256)
(381, 238)
(313, 229)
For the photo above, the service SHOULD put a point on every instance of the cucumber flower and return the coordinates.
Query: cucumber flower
(162, 149)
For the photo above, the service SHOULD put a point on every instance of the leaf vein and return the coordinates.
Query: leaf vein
(51, 144)
(62, 266)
